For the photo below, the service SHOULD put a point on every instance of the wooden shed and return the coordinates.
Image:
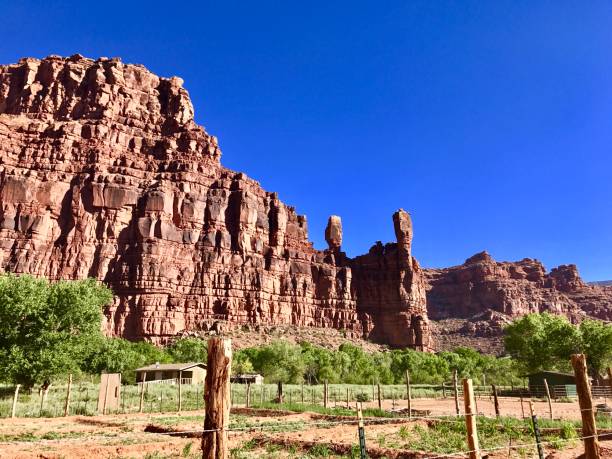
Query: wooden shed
(553, 378)
(189, 373)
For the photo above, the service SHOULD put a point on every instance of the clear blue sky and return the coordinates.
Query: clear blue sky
(490, 121)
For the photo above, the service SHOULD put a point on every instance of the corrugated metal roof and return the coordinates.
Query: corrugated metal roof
(171, 366)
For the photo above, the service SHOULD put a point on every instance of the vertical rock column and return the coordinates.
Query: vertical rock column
(333, 233)
(402, 223)
(411, 286)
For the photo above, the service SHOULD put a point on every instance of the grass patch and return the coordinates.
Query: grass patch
(32, 437)
(335, 411)
(449, 435)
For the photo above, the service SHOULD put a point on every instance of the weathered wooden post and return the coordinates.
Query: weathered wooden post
(361, 432)
(67, 402)
(522, 409)
(248, 394)
(180, 391)
(43, 398)
(325, 394)
(279, 392)
(583, 388)
(456, 391)
(302, 393)
(217, 396)
(495, 399)
(470, 419)
(409, 394)
(550, 408)
(379, 397)
(15, 397)
(142, 392)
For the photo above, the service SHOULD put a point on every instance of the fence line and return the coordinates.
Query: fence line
(83, 399)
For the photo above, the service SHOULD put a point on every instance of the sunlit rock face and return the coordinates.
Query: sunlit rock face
(514, 289)
(105, 174)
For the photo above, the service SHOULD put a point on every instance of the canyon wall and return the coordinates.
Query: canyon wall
(105, 174)
(513, 289)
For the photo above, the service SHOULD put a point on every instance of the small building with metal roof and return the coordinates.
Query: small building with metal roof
(187, 373)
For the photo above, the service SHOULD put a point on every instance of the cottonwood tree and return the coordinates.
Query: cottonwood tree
(47, 328)
(546, 342)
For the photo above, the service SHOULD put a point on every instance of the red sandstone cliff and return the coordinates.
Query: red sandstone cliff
(104, 173)
(513, 289)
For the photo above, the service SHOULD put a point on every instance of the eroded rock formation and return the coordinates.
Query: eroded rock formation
(104, 173)
(513, 289)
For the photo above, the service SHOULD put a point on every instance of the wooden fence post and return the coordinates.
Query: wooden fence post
(361, 432)
(217, 396)
(379, 397)
(15, 397)
(495, 399)
(456, 391)
(279, 392)
(522, 409)
(470, 419)
(550, 408)
(583, 388)
(180, 391)
(325, 394)
(43, 398)
(409, 394)
(248, 395)
(142, 391)
(67, 402)
(302, 393)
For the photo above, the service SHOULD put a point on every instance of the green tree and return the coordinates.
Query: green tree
(278, 361)
(596, 343)
(47, 329)
(188, 349)
(241, 364)
(117, 355)
(542, 341)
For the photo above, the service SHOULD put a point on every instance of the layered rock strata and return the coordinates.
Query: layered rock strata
(104, 173)
(482, 284)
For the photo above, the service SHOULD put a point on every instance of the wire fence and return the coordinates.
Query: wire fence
(515, 440)
(163, 398)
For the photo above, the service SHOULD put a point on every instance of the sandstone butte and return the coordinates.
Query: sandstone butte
(105, 174)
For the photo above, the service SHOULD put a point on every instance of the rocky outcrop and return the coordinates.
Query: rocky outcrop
(333, 233)
(104, 173)
(513, 289)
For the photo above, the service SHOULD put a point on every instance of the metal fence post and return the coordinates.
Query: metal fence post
(536, 431)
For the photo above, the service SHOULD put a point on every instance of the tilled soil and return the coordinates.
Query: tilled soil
(254, 434)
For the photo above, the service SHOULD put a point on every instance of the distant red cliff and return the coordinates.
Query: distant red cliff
(514, 289)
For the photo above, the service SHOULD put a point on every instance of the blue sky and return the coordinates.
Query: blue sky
(489, 121)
